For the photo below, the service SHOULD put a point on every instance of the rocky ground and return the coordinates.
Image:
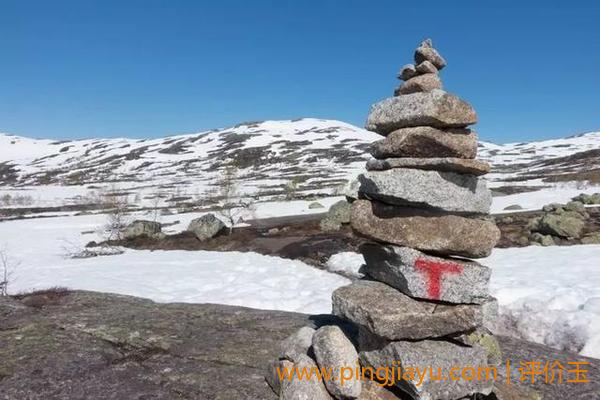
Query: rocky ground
(73, 345)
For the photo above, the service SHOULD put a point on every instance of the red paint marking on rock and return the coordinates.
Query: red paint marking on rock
(434, 270)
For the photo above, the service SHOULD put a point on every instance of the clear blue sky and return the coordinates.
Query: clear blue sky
(147, 68)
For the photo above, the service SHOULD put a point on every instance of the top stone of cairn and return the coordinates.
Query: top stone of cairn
(426, 52)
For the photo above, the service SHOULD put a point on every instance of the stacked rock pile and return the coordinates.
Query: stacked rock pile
(423, 304)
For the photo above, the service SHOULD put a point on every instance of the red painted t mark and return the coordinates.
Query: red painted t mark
(434, 271)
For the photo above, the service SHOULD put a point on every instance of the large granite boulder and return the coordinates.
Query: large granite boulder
(443, 164)
(426, 142)
(206, 227)
(140, 228)
(563, 225)
(426, 277)
(390, 314)
(335, 352)
(447, 191)
(441, 357)
(425, 230)
(435, 108)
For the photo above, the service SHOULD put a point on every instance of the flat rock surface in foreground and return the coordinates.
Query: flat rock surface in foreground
(84, 345)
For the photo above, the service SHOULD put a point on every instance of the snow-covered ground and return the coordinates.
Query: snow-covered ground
(549, 295)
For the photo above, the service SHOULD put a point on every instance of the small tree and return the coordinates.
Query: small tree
(291, 188)
(233, 205)
(116, 218)
(7, 269)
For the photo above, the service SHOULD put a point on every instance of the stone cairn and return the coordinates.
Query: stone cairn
(424, 207)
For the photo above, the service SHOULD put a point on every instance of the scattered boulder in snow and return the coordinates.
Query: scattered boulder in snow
(392, 315)
(543, 240)
(406, 270)
(561, 225)
(513, 207)
(426, 142)
(315, 205)
(335, 352)
(588, 198)
(338, 215)
(447, 191)
(425, 230)
(435, 108)
(206, 227)
(151, 229)
(435, 354)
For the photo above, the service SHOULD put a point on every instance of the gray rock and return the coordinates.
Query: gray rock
(297, 344)
(426, 52)
(447, 191)
(544, 240)
(407, 72)
(588, 198)
(351, 190)
(315, 205)
(206, 227)
(304, 389)
(436, 108)
(139, 228)
(441, 357)
(375, 391)
(338, 214)
(553, 208)
(426, 67)
(513, 207)
(272, 375)
(336, 353)
(425, 230)
(444, 164)
(490, 309)
(561, 225)
(592, 238)
(426, 142)
(392, 315)
(422, 276)
(420, 83)
(329, 225)
(576, 206)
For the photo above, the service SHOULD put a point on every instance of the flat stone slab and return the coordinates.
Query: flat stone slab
(427, 277)
(446, 191)
(441, 357)
(435, 108)
(426, 142)
(445, 164)
(392, 315)
(425, 230)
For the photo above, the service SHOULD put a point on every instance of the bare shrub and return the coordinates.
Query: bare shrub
(7, 269)
(233, 205)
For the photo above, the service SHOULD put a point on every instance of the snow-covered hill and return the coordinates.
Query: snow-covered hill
(313, 156)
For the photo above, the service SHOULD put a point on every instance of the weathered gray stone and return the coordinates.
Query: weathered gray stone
(592, 238)
(304, 389)
(483, 338)
(427, 277)
(544, 240)
(561, 225)
(375, 391)
(420, 83)
(392, 315)
(425, 230)
(588, 198)
(426, 52)
(447, 191)
(314, 205)
(433, 358)
(142, 228)
(407, 72)
(435, 108)
(297, 343)
(444, 164)
(513, 207)
(272, 375)
(336, 353)
(426, 67)
(206, 227)
(426, 142)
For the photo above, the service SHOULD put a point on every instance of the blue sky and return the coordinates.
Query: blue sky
(147, 68)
